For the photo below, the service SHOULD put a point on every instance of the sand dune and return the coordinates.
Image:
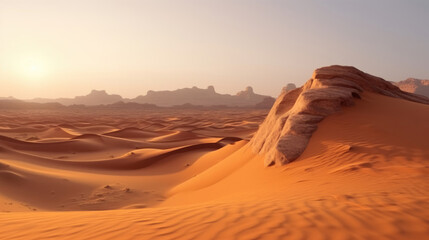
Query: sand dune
(363, 173)
(176, 136)
(132, 132)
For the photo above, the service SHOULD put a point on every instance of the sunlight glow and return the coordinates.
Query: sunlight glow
(33, 69)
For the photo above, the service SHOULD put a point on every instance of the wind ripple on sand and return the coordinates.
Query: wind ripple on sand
(326, 218)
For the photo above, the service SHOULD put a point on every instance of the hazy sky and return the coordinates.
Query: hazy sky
(66, 48)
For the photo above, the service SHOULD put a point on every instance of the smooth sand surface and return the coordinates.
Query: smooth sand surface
(192, 175)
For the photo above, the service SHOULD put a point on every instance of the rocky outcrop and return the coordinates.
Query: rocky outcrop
(248, 92)
(286, 131)
(267, 103)
(289, 87)
(414, 85)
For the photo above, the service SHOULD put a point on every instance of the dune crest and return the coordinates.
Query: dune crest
(286, 131)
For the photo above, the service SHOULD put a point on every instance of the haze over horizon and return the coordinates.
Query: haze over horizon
(57, 49)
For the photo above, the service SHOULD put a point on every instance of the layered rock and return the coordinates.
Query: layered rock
(286, 131)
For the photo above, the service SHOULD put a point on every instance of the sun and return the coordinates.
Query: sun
(33, 69)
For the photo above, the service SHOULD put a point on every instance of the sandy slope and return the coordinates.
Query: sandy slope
(364, 175)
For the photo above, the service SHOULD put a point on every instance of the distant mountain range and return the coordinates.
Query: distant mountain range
(189, 98)
(185, 97)
(203, 97)
(193, 96)
(95, 97)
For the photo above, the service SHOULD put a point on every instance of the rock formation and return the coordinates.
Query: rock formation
(286, 131)
(414, 85)
(190, 96)
(289, 87)
(98, 97)
(203, 97)
(247, 93)
(267, 103)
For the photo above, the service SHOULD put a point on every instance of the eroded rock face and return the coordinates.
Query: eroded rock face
(286, 131)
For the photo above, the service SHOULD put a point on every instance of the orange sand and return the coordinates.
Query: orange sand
(176, 175)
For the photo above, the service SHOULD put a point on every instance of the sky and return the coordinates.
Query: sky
(67, 48)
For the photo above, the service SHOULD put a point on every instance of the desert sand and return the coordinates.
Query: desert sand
(192, 174)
